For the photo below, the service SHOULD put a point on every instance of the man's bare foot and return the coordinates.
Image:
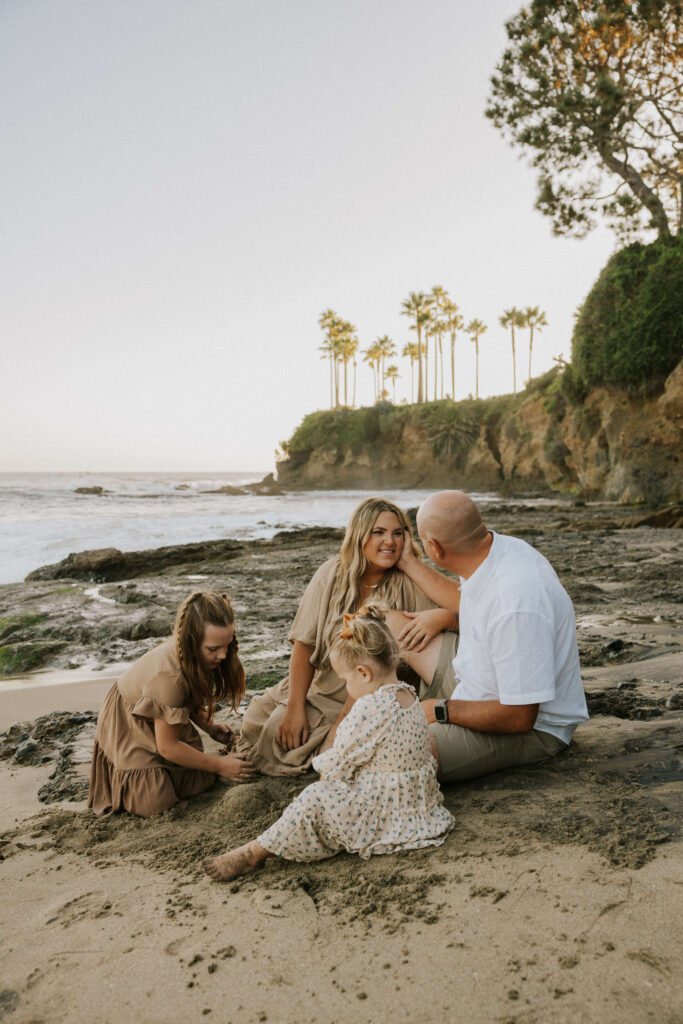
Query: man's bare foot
(235, 863)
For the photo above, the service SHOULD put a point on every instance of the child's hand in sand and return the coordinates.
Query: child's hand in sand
(235, 767)
(221, 733)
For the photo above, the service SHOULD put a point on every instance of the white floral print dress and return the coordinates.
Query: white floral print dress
(378, 792)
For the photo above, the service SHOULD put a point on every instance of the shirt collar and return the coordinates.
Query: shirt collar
(475, 584)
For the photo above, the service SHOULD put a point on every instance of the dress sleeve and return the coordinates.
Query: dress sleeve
(366, 724)
(310, 620)
(164, 696)
(415, 600)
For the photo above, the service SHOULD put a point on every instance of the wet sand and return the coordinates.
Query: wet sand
(556, 897)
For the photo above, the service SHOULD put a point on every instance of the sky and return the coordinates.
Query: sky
(186, 186)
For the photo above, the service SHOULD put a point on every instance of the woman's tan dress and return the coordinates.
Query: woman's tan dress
(127, 772)
(327, 693)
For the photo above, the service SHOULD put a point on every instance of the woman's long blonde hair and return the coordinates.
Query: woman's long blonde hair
(346, 590)
(227, 680)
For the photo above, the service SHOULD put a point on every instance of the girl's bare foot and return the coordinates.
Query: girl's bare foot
(235, 863)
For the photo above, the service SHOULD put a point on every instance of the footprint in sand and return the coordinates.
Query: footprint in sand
(89, 905)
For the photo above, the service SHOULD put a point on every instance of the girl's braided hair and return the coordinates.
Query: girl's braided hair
(227, 680)
(366, 635)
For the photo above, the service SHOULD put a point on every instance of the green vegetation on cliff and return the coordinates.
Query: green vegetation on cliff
(629, 332)
(452, 427)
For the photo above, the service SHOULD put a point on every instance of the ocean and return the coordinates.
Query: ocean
(43, 518)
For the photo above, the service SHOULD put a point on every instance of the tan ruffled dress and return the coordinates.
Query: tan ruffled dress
(127, 772)
(327, 694)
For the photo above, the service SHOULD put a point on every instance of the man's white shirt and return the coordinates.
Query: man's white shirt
(518, 638)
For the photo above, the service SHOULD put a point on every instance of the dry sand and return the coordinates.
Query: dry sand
(557, 897)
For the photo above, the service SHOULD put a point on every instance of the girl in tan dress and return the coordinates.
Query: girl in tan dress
(291, 722)
(147, 754)
(378, 792)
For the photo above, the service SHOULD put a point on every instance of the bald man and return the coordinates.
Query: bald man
(518, 695)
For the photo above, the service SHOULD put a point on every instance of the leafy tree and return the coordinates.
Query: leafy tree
(629, 331)
(513, 318)
(475, 329)
(535, 320)
(593, 90)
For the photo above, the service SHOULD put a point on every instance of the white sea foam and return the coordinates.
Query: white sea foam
(43, 519)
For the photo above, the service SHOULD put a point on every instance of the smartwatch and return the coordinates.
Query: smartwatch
(441, 711)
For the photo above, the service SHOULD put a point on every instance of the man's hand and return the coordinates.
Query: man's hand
(428, 708)
(293, 729)
(407, 557)
(422, 627)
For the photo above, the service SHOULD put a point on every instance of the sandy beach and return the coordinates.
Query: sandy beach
(556, 898)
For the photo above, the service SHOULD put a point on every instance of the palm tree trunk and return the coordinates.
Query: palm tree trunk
(331, 383)
(514, 362)
(531, 345)
(453, 365)
(355, 364)
(476, 350)
(420, 389)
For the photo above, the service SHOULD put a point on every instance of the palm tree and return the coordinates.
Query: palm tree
(513, 318)
(346, 346)
(410, 350)
(327, 320)
(439, 299)
(416, 306)
(453, 323)
(373, 355)
(386, 349)
(534, 319)
(392, 374)
(475, 329)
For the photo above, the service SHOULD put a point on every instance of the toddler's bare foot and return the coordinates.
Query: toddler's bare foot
(235, 863)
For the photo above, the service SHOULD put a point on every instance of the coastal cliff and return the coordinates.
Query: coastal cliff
(607, 444)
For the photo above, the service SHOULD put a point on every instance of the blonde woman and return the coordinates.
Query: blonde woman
(290, 723)
(147, 754)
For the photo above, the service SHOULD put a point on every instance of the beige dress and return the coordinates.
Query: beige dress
(127, 772)
(327, 693)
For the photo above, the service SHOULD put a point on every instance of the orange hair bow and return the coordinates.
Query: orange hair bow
(347, 632)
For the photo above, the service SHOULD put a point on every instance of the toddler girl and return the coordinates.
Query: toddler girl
(147, 754)
(378, 791)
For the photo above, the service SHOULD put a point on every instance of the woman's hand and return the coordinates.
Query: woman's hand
(293, 729)
(235, 767)
(422, 627)
(221, 733)
(407, 558)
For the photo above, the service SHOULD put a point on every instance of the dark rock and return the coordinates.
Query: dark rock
(26, 751)
(89, 490)
(106, 565)
(226, 489)
(268, 485)
(670, 518)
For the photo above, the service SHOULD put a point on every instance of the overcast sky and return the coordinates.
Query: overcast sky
(187, 184)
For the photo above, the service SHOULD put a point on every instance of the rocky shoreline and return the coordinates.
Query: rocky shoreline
(558, 887)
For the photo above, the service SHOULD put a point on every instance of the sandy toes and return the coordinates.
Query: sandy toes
(232, 864)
